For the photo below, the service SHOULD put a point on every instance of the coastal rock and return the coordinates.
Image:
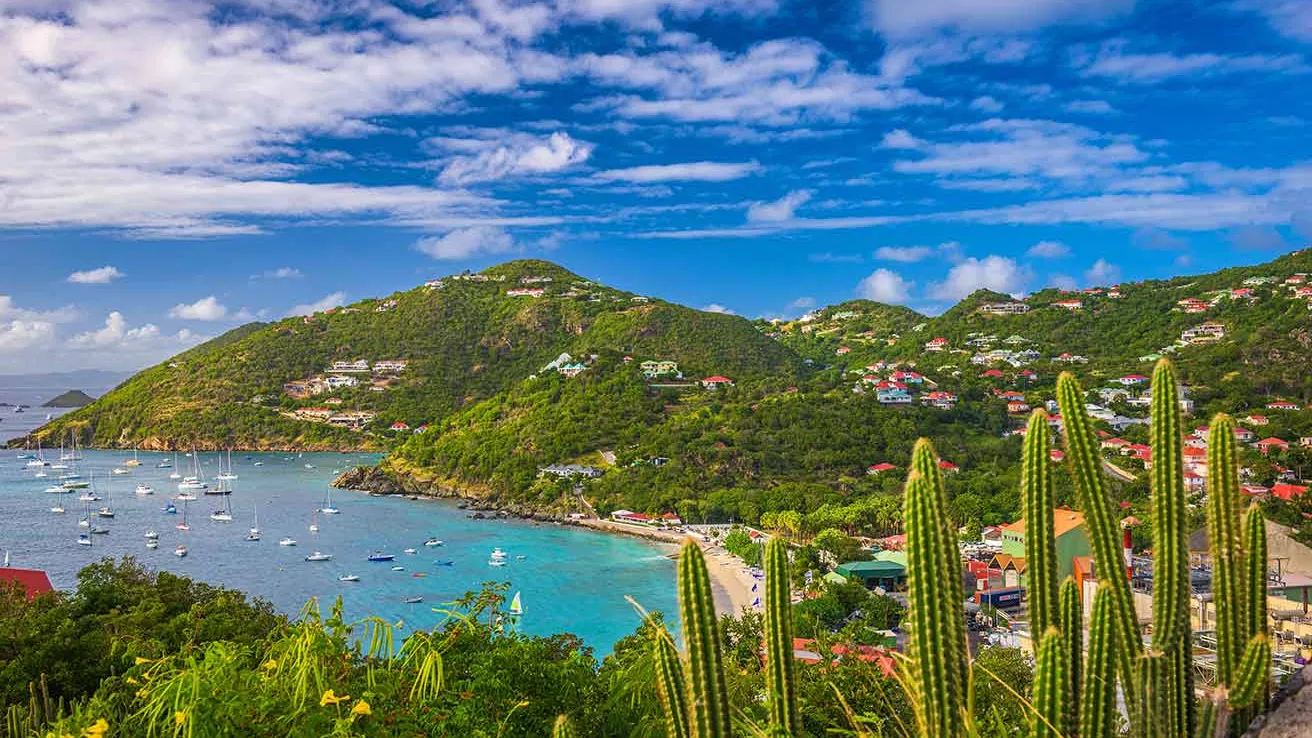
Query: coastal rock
(369, 479)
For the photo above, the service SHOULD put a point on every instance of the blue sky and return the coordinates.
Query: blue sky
(169, 170)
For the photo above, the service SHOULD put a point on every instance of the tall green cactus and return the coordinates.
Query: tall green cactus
(1086, 472)
(938, 677)
(1223, 533)
(1098, 695)
(1255, 558)
(708, 693)
(563, 728)
(925, 461)
(1072, 634)
(1252, 675)
(1051, 687)
(1171, 553)
(670, 686)
(1037, 505)
(785, 720)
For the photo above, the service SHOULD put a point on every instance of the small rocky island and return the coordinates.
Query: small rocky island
(71, 398)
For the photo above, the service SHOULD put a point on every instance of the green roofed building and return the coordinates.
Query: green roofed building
(887, 575)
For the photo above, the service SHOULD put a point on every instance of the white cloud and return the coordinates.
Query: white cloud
(1113, 61)
(697, 171)
(525, 156)
(802, 303)
(102, 275)
(466, 243)
(24, 335)
(900, 138)
(885, 285)
(899, 18)
(1291, 18)
(281, 273)
(1201, 212)
(1063, 282)
(1049, 250)
(1091, 107)
(778, 210)
(993, 272)
(336, 299)
(206, 308)
(10, 310)
(1102, 273)
(986, 104)
(903, 254)
(828, 257)
(716, 307)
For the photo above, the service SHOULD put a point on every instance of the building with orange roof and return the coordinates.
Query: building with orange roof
(1072, 538)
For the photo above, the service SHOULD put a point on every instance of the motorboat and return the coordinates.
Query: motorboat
(410, 551)
(412, 600)
(119, 471)
(88, 497)
(221, 516)
(83, 539)
(185, 497)
(349, 578)
(192, 484)
(151, 534)
(93, 530)
(316, 556)
(180, 551)
(380, 556)
(58, 490)
(152, 545)
(287, 542)
(432, 542)
(145, 489)
(398, 568)
(497, 553)
(444, 563)
(58, 509)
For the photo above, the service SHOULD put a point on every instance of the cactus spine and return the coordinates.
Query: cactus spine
(1072, 633)
(563, 728)
(669, 685)
(1171, 554)
(938, 656)
(708, 694)
(1051, 682)
(1085, 466)
(780, 676)
(1227, 553)
(1037, 504)
(1098, 695)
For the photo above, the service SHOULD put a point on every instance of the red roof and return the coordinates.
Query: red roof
(400, 426)
(717, 379)
(804, 649)
(1056, 454)
(991, 373)
(882, 467)
(1265, 442)
(946, 465)
(1287, 492)
(33, 581)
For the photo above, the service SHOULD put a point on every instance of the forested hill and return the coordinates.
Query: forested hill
(462, 339)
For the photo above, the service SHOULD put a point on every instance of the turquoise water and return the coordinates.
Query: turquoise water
(571, 580)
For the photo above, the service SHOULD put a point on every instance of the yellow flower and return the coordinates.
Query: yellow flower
(142, 660)
(142, 693)
(130, 680)
(96, 729)
(179, 717)
(331, 699)
(269, 665)
(361, 708)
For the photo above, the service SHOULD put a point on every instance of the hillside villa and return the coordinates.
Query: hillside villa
(717, 382)
(1072, 539)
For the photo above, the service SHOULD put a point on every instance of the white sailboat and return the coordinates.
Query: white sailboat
(107, 511)
(175, 474)
(39, 460)
(135, 460)
(184, 525)
(227, 473)
(195, 482)
(224, 513)
(328, 507)
(516, 605)
(254, 533)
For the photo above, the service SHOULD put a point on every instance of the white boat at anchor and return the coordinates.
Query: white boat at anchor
(316, 556)
(287, 542)
(144, 490)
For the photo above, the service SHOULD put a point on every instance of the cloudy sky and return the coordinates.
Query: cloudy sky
(169, 170)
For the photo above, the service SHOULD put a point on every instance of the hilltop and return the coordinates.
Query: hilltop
(409, 359)
(71, 398)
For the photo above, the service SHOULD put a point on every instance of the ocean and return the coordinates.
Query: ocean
(571, 580)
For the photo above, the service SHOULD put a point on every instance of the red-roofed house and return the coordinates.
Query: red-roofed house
(33, 581)
(992, 374)
(1194, 482)
(1257, 420)
(908, 377)
(875, 469)
(1244, 435)
(1303, 292)
(1267, 445)
(1115, 443)
(1018, 406)
(937, 344)
(717, 382)
(841, 350)
(1068, 304)
(948, 466)
(1288, 492)
(1029, 375)
(1282, 405)
(1056, 454)
(805, 650)
(399, 426)
(1254, 490)
(940, 399)
(1132, 380)
(1241, 292)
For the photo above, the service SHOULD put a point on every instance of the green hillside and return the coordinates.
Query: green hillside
(464, 341)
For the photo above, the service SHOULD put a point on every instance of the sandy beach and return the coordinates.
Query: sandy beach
(731, 583)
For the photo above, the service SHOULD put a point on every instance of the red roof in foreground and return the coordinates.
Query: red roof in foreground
(34, 581)
(804, 649)
(717, 379)
(1288, 492)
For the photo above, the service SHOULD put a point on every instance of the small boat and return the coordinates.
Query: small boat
(39, 475)
(398, 568)
(165, 464)
(84, 523)
(516, 605)
(314, 522)
(119, 471)
(412, 600)
(228, 473)
(496, 562)
(58, 509)
(444, 563)
(497, 553)
(75, 484)
(174, 474)
(98, 531)
(316, 556)
(410, 551)
(190, 484)
(259, 463)
(105, 512)
(520, 557)
(58, 490)
(221, 516)
(145, 489)
(180, 551)
(349, 578)
(88, 497)
(183, 525)
(169, 509)
(151, 534)
(380, 556)
(419, 575)
(328, 507)
(185, 497)
(152, 544)
(134, 461)
(287, 542)
(83, 539)
(431, 542)
(254, 533)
